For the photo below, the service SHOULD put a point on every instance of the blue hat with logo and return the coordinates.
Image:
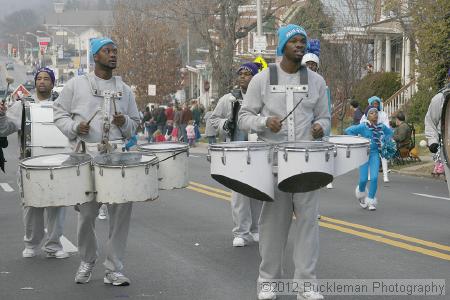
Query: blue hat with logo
(251, 67)
(98, 43)
(285, 33)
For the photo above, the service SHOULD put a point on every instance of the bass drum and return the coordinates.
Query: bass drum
(39, 135)
(445, 128)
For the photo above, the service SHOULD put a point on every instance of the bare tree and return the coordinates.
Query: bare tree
(147, 54)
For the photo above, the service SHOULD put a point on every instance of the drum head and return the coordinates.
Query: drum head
(242, 188)
(56, 160)
(347, 140)
(123, 159)
(305, 182)
(163, 147)
(303, 145)
(240, 145)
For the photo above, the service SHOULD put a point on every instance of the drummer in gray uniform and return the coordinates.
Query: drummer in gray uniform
(33, 217)
(244, 210)
(262, 112)
(83, 99)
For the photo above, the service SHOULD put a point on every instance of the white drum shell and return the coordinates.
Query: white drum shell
(136, 185)
(45, 137)
(173, 173)
(65, 189)
(296, 164)
(352, 152)
(232, 164)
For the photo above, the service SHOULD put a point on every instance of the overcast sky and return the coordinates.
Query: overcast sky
(9, 6)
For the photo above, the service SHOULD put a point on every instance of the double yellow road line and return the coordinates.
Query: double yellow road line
(386, 237)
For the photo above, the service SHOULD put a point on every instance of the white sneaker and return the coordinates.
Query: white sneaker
(238, 242)
(311, 295)
(385, 178)
(330, 185)
(58, 254)
(263, 295)
(371, 203)
(28, 252)
(255, 236)
(360, 196)
(103, 212)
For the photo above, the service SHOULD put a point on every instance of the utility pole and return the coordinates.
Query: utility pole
(258, 18)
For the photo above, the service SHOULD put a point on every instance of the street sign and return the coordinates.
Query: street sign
(259, 43)
(20, 92)
(152, 90)
(44, 39)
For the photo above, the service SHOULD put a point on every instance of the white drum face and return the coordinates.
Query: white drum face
(126, 177)
(56, 180)
(173, 167)
(304, 169)
(156, 147)
(344, 140)
(246, 171)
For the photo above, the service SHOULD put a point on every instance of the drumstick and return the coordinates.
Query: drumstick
(88, 122)
(290, 113)
(115, 108)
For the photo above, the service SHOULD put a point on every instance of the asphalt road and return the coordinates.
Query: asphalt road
(179, 246)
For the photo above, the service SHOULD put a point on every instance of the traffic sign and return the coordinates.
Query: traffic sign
(152, 90)
(259, 43)
(20, 92)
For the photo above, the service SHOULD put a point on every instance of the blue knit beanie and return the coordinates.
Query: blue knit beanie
(286, 33)
(370, 108)
(98, 43)
(373, 99)
(251, 67)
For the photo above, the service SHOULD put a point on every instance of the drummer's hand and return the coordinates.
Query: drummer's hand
(317, 131)
(118, 119)
(274, 124)
(83, 128)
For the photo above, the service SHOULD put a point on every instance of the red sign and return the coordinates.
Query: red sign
(20, 92)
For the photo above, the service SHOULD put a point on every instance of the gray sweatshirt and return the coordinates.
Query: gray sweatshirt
(433, 119)
(76, 104)
(12, 120)
(260, 103)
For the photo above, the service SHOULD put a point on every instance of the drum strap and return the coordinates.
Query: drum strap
(289, 91)
(273, 75)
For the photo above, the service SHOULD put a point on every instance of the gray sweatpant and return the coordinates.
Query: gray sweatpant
(274, 224)
(119, 224)
(245, 212)
(33, 220)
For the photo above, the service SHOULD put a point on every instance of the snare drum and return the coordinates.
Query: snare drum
(351, 152)
(173, 166)
(304, 166)
(244, 167)
(40, 136)
(56, 180)
(126, 177)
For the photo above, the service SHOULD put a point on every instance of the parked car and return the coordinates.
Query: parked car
(29, 84)
(9, 66)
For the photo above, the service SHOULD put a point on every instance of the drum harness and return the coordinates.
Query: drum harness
(289, 90)
(108, 96)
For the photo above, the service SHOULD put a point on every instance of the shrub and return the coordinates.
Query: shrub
(382, 85)
(417, 108)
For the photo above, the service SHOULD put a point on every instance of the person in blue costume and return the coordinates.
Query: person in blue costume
(378, 133)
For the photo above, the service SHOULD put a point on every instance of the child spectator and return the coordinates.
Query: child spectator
(190, 132)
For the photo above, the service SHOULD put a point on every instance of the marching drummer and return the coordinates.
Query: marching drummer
(97, 111)
(244, 210)
(33, 217)
(263, 111)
